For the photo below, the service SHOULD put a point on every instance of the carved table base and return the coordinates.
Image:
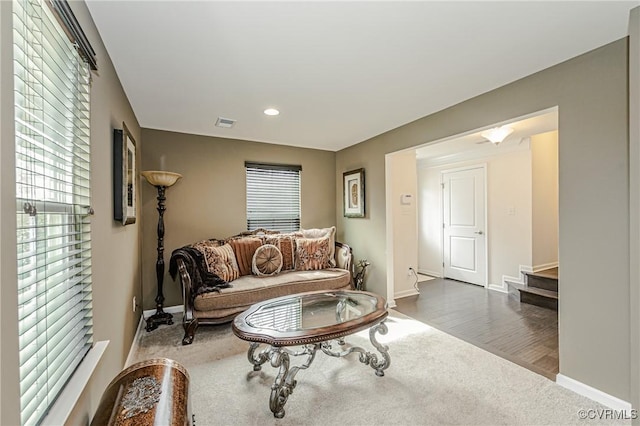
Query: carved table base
(285, 381)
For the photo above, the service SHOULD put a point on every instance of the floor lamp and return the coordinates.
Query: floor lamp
(161, 180)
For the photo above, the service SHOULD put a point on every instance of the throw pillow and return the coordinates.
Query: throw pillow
(220, 259)
(267, 260)
(286, 243)
(320, 233)
(244, 249)
(312, 254)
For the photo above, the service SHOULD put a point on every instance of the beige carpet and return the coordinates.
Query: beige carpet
(433, 379)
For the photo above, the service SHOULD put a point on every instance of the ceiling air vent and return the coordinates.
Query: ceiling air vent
(227, 123)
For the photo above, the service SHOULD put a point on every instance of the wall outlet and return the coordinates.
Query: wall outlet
(134, 304)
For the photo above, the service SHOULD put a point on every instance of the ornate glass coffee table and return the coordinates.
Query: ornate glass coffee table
(314, 321)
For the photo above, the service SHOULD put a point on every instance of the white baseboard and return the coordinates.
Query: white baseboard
(538, 268)
(391, 303)
(134, 344)
(428, 272)
(522, 269)
(594, 394)
(145, 314)
(406, 293)
(178, 309)
(499, 288)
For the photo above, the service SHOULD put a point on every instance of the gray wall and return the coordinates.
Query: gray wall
(210, 200)
(634, 200)
(116, 270)
(591, 93)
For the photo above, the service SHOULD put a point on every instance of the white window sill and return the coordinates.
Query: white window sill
(69, 396)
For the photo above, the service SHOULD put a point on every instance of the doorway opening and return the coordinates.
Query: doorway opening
(498, 245)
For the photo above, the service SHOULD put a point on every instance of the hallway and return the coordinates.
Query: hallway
(524, 334)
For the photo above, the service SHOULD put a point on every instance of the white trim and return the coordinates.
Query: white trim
(497, 287)
(72, 391)
(391, 304)
(595, 394)
(522, 269)
(430, 273)
(406, 293)
(538, 268)
(389, 227)
(134, 344)
(177, 309)
(515, 280)
(145, 314)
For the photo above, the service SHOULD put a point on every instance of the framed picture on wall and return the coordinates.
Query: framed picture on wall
(353, 193)
(124, 176)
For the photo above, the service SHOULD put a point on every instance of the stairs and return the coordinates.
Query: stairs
(540, 289)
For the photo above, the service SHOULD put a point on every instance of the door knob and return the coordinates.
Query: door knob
(478, 232)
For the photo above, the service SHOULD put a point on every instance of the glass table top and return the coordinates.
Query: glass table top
(309, 316)
(312, 311)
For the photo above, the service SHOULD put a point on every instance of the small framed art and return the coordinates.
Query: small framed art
(124, 176)
(353, 193)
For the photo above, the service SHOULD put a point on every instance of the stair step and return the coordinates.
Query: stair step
(546, 273)
(547, 280)
(539, 297)
(540, 292)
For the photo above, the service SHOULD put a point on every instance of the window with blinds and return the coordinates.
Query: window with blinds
(52, 206)
(273, 197)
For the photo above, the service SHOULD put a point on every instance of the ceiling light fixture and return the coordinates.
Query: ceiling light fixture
(497, 134)
(271, 111)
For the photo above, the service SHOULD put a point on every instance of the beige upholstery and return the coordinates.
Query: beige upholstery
(250, 289)
(216, 307)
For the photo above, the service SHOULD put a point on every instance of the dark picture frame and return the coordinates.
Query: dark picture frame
(124, 176)
(353, 193)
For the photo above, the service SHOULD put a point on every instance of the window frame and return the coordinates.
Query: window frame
(51, 83)
(283, 210)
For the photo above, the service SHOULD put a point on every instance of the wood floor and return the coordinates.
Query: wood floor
(524, 334)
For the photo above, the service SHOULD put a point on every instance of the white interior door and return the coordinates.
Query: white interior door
(465, 253)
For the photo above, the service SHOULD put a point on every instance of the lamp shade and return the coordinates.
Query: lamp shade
(497, 134)
(161, 178)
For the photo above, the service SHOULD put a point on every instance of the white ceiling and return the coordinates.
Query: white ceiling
(340, 72)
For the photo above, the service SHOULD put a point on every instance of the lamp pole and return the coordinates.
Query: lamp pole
(161, 180)
(160, 317)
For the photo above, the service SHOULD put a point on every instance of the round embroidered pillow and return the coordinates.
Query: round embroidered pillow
(267, 260)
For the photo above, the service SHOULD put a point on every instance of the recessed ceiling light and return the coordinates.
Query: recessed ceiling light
(271, 111)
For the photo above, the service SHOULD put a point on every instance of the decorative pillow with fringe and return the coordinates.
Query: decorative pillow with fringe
(312, 253)
(320, 233)
(220, 259)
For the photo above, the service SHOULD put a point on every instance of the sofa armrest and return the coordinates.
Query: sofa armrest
(188, 320)
(344, 258)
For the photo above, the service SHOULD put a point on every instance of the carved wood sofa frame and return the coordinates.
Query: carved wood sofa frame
(191, 322)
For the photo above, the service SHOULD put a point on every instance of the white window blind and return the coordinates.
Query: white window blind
(273, 197)
(53, 198)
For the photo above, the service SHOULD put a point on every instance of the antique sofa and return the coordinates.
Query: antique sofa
(222, 278)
